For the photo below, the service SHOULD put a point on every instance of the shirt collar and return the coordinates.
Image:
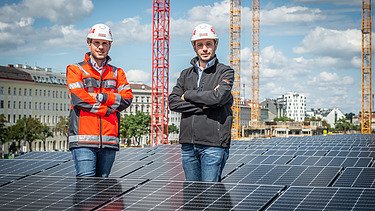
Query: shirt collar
(96, 66)
(208, 65)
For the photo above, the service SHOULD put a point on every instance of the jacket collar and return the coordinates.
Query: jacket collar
(87, 59)
(196, 59)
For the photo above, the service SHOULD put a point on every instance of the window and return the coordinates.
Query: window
(24, 105)
(8, 90)
(14, 91)
(9, 104)
(49, 93)
(36, 92)
(36, 106)
(19, 91)
(44, 93)
(29, 105)
(30, 91)
(25, 92)
(19, 105)
(1, 90)
(1, 103)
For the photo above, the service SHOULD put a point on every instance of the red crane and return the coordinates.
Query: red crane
(160, 71)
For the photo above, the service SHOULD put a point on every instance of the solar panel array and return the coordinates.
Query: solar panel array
(335, 172)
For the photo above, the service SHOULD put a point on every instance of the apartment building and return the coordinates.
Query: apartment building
(295, 105)
(36, 92)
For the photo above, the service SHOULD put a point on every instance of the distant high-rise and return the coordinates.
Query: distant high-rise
(295, 106)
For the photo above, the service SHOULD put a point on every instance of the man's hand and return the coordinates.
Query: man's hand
(182, 97)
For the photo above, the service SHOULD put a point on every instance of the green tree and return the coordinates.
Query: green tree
(29, 129)
(135, 126)
(45, 132)
(16, 133)
(283, 119)
(349, 116)
(342, 125)
(62, 126)
(3, 133)
(173, 129)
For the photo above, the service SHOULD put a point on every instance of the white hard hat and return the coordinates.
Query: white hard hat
(100, 31)
(203, 31)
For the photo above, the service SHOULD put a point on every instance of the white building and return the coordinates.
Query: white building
(295, 105)
(39, 93)
(34, 92)
(333, 116)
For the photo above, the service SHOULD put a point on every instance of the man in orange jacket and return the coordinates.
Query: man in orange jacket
(98, 93)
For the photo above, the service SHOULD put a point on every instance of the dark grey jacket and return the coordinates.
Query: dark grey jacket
(206, 111)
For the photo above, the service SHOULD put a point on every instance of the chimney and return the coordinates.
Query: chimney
(10, 65)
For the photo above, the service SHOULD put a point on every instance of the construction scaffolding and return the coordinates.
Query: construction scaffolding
(366, 68)
(255, 107)
(235, 63)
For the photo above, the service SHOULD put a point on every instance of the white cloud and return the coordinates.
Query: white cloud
(57, 11)
(339, 2)
(329, 42)
(131, 30)
(138, 76)
(295, 14)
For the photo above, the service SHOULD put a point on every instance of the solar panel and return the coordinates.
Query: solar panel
(318, 172)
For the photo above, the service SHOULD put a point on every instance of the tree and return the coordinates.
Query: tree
(3, 133)
(44, 134)
(283, 119)
(16, 133)
(135, 126)
(173, 129)
(28, 129)
(349, 116)
(62, 126)
(342, 125)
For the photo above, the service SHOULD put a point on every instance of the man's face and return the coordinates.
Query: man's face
(99, 48)
(205, 49)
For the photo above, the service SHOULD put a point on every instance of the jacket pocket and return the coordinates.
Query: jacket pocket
(206, 130)
(110, 125)
(88, 123)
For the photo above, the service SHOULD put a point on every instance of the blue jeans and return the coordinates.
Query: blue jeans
(93, 162)
(203, 163)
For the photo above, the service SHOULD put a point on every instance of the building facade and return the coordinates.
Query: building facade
(295, 105)
(42, 94)
(34, 92)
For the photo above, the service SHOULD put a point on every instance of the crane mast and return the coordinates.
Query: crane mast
(160, 71)
(255, 108)
(234, 61)
(366, 68)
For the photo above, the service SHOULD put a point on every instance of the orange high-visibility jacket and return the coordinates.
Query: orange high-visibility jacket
(93, 123)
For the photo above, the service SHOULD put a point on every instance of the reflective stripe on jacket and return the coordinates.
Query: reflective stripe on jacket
(93, 123)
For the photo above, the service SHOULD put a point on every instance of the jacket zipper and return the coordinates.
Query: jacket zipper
(192, 130)
(100, 118)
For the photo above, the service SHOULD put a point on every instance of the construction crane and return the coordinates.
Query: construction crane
(255, 108)
(160, 71)
(366, 68)
(234, 61)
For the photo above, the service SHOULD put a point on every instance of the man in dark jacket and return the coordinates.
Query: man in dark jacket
(203, 97)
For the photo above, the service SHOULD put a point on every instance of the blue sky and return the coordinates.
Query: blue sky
(312, 47)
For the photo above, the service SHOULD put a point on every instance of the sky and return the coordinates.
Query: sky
(311, 47)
